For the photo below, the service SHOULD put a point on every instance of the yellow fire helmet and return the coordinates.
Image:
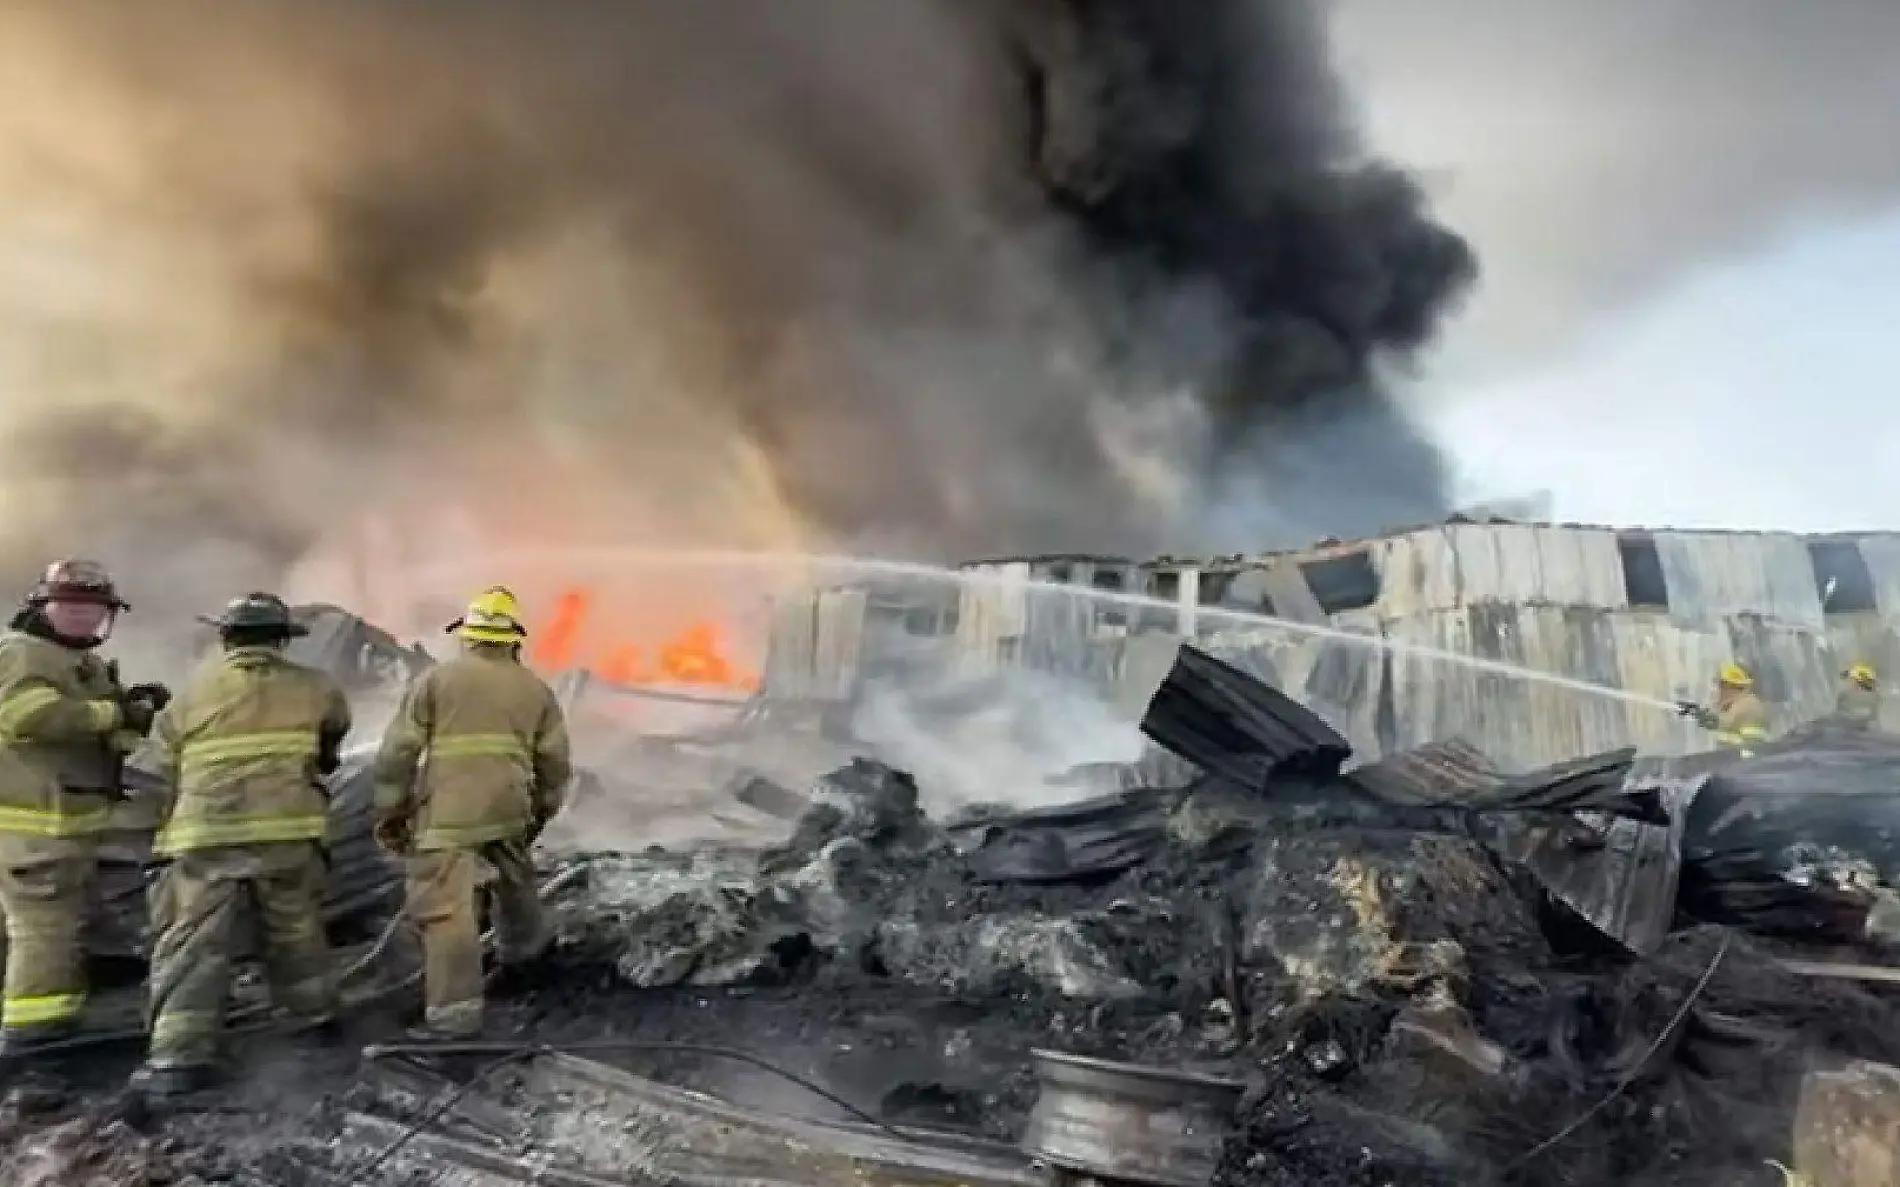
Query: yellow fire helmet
(1862, 673)
(1734, 675)
(493, 616)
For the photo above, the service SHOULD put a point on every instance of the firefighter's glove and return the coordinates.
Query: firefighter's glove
(157, 694)
(329, 753)
(138, 714)
(394, 834)
(1701, 715)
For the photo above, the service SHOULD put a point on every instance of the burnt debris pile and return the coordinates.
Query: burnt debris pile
(1394, 957)
(1419, 972)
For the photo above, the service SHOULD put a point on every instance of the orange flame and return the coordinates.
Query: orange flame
(697, 655)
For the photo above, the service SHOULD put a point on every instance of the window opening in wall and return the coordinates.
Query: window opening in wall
(1106, 612)
(1060, 573)
(1644, 584)
(1232, 590)
(1163, 586)
(1341, 583)
(1841, 577)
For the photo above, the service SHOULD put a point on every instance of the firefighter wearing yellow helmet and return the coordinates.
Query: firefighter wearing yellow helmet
(66, 725)
(1738, 718)
(1857, 704)
(471, 770)
(240, 755)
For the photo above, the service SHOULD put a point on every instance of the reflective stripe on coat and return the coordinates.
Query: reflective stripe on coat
(237, 752)
(478, 751)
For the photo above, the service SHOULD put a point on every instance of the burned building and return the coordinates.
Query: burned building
(1364, 630)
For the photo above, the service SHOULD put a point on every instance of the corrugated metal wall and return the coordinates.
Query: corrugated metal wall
(1548, 598)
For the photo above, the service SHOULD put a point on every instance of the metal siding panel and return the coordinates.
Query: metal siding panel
(1715, 576)
(1788, 574)
(1440, 571)
(839, 645)
(1412, 576)
(1445, 568)
(1793, 669)
(1057, 625)
(1671, 661)
(1582, 568)
(1345, 680)
(789, 655)
(1429, 696)
(1481, 567)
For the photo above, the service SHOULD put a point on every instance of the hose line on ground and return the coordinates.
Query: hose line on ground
(1629, 1077)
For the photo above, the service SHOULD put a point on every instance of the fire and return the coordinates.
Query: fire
(697, 655)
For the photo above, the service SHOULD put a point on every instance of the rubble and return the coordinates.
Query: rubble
(1380, 954)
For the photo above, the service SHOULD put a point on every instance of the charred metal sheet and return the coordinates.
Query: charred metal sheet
(429, 1153)
(756, 791)
(1440, 773)
(1234, 726)
(1131, 1123)
(1458, 773)
(1793, 840)
(406, 1090)
(1093, 838)
(608, 1122)
(358, 654)
(1620, 875)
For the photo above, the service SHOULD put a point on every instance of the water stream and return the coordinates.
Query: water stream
(817, 568)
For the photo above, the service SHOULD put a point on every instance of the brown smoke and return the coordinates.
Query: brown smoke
(958, 277)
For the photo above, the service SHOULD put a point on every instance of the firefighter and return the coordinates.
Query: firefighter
(66, 725)
(470, 771)
(1858, 702)
(241, 755)
(1738, 719)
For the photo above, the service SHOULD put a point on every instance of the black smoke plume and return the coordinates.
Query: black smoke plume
(948, 276)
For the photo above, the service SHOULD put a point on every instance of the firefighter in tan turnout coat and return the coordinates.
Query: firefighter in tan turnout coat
(1738, 719)
(1857, 703)
(470, 771)
(241, 752)
(66, 725)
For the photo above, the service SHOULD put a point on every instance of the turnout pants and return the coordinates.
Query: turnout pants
(442, 887)
(195, 908)
(45, 903)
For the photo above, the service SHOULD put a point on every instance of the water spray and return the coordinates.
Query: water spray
(610, 559)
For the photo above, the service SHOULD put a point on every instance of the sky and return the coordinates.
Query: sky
(1688, 212)
(1761, 392)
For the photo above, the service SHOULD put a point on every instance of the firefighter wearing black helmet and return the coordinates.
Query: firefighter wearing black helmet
(241, 754)
(66, 725)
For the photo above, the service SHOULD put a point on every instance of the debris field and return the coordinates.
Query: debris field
(1419, 971)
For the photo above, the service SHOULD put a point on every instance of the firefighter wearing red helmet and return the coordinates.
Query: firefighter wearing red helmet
(66, 725)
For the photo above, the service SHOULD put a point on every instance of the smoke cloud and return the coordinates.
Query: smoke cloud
(952, 277)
